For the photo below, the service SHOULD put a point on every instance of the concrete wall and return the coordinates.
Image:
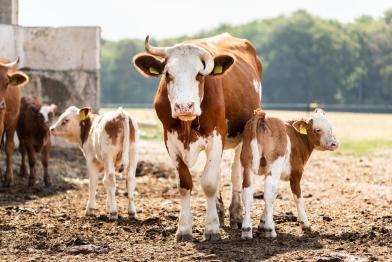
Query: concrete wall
(63, 63)
(9, 12)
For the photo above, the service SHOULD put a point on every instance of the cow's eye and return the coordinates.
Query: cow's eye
(169, 77)
(318, 131)
(65, 121)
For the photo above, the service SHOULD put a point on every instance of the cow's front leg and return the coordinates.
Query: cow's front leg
(109, 181)
(236, 181)
(184, 230)
(9, 150)
(93, 176)
(210, 185)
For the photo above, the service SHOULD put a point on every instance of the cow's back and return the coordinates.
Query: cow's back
(241, 84)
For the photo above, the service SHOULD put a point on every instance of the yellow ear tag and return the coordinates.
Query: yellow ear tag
(218, 69)
(302, 130)
(82, 116)
(153, 71)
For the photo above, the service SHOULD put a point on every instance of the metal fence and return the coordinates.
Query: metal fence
(292, 107)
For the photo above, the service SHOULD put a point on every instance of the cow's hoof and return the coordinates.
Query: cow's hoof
(48, 182)
(7, 182)
(235, 225)
(132, 214)
(212, 236)
(183, 237)
(90, 212)
(113, 216)
(269, 232)
(246, 233)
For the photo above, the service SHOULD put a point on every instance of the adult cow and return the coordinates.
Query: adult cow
(208, 90)
(10, 94)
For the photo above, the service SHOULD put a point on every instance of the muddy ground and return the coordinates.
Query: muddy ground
(348, 200)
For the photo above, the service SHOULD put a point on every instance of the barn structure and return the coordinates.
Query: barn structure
(63, 63)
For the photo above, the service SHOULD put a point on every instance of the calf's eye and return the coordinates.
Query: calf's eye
(318, 131)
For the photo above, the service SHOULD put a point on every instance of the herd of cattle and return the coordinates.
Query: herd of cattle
(208, 100)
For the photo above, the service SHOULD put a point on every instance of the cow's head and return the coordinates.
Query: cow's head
(9, 76)
(48, 112)
(68, 126)
(319, 131)
(184, 68)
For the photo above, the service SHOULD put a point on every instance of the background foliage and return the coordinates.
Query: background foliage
(305, 58)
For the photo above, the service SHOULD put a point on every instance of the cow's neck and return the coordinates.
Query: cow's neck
(308, 146)
(85, 126)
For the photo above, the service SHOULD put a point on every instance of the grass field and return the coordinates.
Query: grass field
(358, 133)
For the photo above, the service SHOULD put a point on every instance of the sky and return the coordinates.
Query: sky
(170, 18)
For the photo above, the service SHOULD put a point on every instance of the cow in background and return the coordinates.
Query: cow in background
(11, 82)
(109, 144)
(34, 136)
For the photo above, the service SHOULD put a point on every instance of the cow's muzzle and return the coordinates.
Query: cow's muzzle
(185, 111)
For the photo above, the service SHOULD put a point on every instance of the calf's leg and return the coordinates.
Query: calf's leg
(22, 149)
(9, 150)
(131, 181)
(32, 159)
(93, 176)
(109, 181)
(270, 193)
(299, 201)
(44, 161)
(236, 181)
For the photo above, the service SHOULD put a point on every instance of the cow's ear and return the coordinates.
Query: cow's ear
(84, 113)
(221, 64)
(18, 78)
(148, 65)
(301, 127)
(53, 108)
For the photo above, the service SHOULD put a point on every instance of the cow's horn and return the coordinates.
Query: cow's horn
(11, 65)
(208, 62)
(157, 51)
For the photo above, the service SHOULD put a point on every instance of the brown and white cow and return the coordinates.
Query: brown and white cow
(109, 144)
(208, 91)
(34, 136)
(280, 150)
(11, 82)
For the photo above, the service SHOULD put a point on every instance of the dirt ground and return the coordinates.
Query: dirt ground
(348, 200)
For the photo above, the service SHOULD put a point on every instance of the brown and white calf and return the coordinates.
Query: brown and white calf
(109, 144)
(208, 90)
(280, 150)
(34, 136)
(11, 82)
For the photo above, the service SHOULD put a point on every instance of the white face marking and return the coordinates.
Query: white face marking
(45, 110)
(67, 126)
(322, 125)
(183, 65)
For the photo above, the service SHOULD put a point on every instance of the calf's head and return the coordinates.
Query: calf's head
(183, 68)
(48, 112)
(9, 76)
(68, 126)
(319, 131)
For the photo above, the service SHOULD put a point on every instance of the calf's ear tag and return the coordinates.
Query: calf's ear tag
(302, 130)
(82, 116)
(218, 69)
(153, 71)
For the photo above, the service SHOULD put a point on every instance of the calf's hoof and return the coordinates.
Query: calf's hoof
(183, 237)
(269, 233)
(7, 182)
(246, 233)
(306, 229)
(90, 212)
(113, 216)
(48, 182)
(212, 236)
(131, 214)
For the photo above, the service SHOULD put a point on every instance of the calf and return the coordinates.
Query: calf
(280, 150)
(108, 142)
(11, 82)
(34, 136)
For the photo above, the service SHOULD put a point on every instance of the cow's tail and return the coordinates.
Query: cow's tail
(125, 154)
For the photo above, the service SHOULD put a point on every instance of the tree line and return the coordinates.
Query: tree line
(305, 58)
